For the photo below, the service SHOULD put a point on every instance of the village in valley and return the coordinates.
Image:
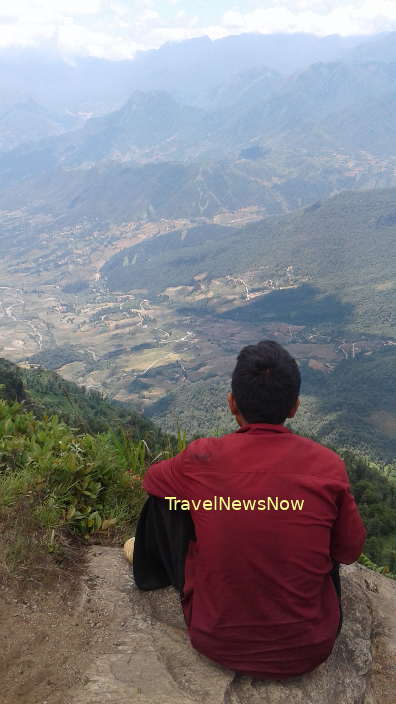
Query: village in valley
(57, 311)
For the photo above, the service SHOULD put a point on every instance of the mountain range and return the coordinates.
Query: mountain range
(220, 192)
(88, 84)
(264, 139)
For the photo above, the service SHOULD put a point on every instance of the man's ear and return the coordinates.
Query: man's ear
(294, 409)
(232, 404)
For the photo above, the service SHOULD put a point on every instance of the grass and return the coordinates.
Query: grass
(59, 486)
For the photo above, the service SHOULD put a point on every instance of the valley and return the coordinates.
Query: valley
(155, 313)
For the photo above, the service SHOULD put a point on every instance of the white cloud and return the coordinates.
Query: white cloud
(45, 10)
(149, 15)
(316, 17)
(119, 28)
(73, 39)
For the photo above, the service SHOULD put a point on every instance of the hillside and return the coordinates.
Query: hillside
(380, 48)
(45, 393)
(327, 245)
(29, 122)
(322, 90)
(71, 464)
(131, 191)
(147, 121)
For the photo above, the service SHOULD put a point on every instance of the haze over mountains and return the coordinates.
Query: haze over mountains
(143, 246)
(260, 138)
(88, 84)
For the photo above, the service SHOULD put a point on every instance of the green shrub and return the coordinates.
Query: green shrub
(58, 482)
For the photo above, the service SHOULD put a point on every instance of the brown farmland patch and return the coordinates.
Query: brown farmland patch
(325, 352)
(319, 366)
(385, 422)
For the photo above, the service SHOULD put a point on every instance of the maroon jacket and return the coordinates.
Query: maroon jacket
(258, 597)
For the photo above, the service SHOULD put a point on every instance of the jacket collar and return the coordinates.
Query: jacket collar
(261, 427)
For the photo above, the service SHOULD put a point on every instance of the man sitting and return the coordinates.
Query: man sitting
(250, 528)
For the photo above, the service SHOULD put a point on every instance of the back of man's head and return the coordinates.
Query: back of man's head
(265, 383)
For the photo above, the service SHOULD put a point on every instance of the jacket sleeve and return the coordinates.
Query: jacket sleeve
(165, 478)
(348, 533)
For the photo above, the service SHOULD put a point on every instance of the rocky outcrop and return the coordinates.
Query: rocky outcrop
(148, 658)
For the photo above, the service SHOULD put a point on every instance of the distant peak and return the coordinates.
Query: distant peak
(140, 98)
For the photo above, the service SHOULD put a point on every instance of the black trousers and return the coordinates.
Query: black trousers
(161, 543)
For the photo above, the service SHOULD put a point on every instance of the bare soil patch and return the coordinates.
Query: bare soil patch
(49, 630)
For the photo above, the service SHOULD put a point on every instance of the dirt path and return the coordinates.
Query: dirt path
(96, 639)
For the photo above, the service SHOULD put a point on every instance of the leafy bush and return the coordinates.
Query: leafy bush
(66, 483)
(364, 560)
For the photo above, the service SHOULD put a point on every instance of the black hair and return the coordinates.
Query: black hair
(265, 382)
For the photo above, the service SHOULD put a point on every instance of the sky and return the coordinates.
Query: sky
(117, 29)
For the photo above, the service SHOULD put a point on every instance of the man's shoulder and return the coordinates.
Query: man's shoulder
(208, 449)
(201, 447)
(314, 455)
(313, 448)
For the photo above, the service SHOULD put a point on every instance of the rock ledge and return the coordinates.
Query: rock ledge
(148, 657)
